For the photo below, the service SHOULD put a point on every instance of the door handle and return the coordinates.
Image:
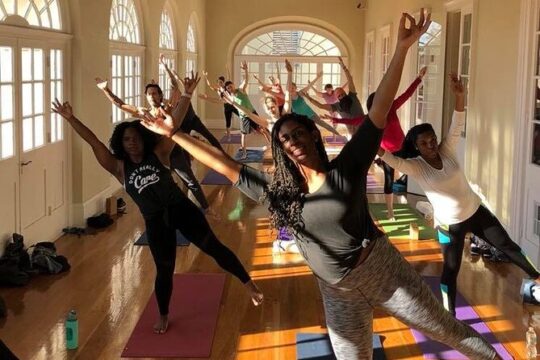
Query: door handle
(24, 163)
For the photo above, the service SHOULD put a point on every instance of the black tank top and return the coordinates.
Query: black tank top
(151, 186)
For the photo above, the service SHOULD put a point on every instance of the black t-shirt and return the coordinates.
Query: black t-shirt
(151, 186)
(336, 216)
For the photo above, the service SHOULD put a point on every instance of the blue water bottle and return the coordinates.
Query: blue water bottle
(72, 330)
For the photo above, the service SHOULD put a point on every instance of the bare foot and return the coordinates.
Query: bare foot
(161, 326)
(256, 294)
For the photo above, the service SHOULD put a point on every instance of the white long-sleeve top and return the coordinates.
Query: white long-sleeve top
(447, 189)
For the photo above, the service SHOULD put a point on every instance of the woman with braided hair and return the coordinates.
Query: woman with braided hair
(325, 204)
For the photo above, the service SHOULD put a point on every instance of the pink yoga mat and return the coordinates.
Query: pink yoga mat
(464, 312)
(193, 315)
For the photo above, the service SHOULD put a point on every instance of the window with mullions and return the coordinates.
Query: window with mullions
(167, 44)
(191, 55)
(7, 132)
(291, 42)
(126, 59)
(39, 13)
(535, 122)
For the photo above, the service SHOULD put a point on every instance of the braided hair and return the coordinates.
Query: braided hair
(285, 192)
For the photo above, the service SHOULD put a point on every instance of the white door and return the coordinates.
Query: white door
(43, 158)
(35, 180)
(9, 159)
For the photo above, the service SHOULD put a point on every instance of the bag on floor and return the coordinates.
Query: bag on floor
(45, 259)
(15, 252)
(11, 275)
(100, 221)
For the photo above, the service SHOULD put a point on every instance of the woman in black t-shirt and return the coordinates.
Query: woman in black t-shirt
(325, 205)
(140, 162)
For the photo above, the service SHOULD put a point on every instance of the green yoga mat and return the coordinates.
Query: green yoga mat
(404, 215)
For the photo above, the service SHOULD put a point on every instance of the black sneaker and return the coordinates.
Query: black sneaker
(121, 206)
(475, 250)
(495, 255)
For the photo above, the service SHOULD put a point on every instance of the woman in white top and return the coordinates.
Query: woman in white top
(458, 209)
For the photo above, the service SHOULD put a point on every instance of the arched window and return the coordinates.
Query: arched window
(310, 49)
(191, 52)
(126, 55)
(167, 45)
(291, 43)
(39, 13)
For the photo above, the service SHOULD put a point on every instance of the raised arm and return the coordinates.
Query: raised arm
(262, 86)
(317, 92)
(386, 91)
(287, 107)
(203, 152)
(101, 152)
(172, 76)
(400, 100)
(312, 82)
(103, 85)
(214, 100)
(350, 81)
(318, 104)
(405, 166)
(205, 74)
(458, 118)
(255, 117)
(244, 83)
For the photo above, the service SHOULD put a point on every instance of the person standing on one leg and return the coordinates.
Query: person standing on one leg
(139, 161)
(457, 208)
(324, 203)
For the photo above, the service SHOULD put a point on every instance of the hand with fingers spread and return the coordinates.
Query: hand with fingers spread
(244, 66)
(190, 83)
(101, 83)
(408, 36)
(161, 125)
(162, 59)
(63, 109)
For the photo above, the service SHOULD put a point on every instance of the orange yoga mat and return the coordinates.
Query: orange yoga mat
(193, 314)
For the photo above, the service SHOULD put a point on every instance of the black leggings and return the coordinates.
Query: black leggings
(228, 110)
(388, 178)
(486, 226)
(187, 218)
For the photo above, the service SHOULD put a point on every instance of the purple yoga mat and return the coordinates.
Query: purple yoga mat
(194, 310)
(338, 140)
(214, 178)
(233, 139)
(464, 312)
(373, 187)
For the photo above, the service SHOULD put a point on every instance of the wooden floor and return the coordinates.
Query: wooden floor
(111, 281)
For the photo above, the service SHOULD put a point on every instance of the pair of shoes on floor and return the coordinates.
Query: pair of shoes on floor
(477, 250)
(284, 246)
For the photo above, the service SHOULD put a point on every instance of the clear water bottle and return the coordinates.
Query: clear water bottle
(531, 343)
(72, 330)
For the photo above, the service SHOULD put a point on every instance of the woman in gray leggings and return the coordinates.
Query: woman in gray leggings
(325, 205)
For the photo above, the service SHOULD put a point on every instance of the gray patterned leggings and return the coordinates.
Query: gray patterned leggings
(386, 280)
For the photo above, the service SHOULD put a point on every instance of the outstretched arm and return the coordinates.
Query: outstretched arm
(312, 82)
(401, 99)
(317, 92)
(262, 85)
(287, 107)
(103, 85)
(458, 118)
(258, 119)
(102, 154)
(318, 104)
(214, 100)
(205, 74)
(203, 152)
(386, 91)
(244, 83)
(350, 81)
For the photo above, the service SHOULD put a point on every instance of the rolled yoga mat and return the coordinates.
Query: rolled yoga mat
(404, 215)
(194, 310)
(464, 312)
(311, 346)
(180, 239)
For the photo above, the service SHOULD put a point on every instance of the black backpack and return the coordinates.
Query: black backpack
(15, 263)
(44, 259)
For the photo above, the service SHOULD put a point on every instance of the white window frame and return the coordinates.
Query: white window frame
(369, 63)
(123, 49)
(191, 58)
(170, 53)
(383, 52)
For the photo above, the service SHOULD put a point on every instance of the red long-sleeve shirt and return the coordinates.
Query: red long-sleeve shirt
(393, 135)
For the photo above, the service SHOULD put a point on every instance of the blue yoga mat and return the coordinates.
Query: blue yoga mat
(311, 346)
(180, 239)
(214, 178)
(253, 156)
